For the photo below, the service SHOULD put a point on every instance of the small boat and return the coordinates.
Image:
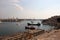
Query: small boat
(31, 25)
(32, 28)
(38, 24)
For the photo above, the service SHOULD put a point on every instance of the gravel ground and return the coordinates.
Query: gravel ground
(53, 35)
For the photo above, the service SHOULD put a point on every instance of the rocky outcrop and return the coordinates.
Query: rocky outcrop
(53, 21)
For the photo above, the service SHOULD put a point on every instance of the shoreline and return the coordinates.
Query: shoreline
(25, 35)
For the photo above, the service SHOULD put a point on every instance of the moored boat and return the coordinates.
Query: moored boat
(38, 24)
(31, 27)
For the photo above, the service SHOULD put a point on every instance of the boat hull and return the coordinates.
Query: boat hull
(34, 24)
(32, 28)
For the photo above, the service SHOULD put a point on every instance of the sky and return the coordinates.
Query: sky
(29, 9)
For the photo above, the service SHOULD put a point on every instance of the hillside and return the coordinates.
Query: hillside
(53, 21)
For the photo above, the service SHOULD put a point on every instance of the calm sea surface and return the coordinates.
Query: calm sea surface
(7, 28)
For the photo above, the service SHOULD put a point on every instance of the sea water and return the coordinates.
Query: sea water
(7, 28)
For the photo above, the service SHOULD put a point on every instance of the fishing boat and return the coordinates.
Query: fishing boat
(38, 24)
(31, 25)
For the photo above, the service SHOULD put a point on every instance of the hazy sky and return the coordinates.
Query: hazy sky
(29, 8)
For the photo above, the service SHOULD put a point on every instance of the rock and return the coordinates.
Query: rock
(53, 21)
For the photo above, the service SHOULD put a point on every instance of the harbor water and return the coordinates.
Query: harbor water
(7, 28)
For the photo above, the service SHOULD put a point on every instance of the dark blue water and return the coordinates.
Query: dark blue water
(7, 28)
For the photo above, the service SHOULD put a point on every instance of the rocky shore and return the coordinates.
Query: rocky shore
(27, 35)
(53, 21)
(34, 35)
(53, 35)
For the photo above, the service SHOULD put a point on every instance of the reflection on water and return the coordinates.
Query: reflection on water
(7, 28)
